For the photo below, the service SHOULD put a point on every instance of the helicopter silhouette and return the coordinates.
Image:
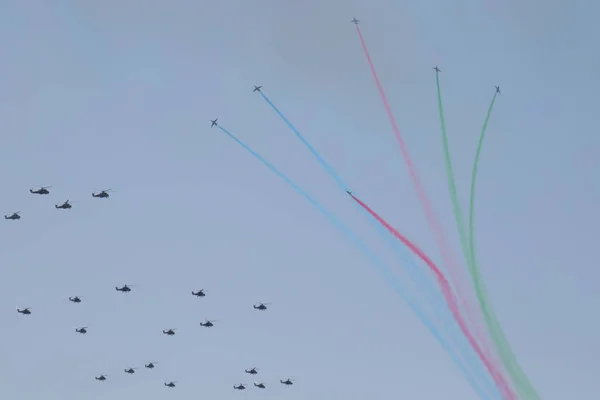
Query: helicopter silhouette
(64, 206)
(101, 378)
(124, 289)
(102, 195)
(199, 293)
(42, 190)
(251, 371)
(207, 323)
(82, 330)
(260, 385)
(261, 306)
(171, 384)
(287, 382)
(170, 332)
(150, 365)
(239, 387)
(130, 370)
(24, 311)
(75, 299)
(14, 216)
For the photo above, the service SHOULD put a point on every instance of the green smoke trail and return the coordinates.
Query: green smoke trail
(518, 376)
(455, 203)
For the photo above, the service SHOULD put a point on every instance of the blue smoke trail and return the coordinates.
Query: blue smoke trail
(415, 273)
(381, 266)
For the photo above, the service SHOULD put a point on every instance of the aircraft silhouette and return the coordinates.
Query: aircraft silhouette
(42, 190)
(24, 311)
(213, 122)
(103, 194)
(14, 216)
(257, 88)
(64, 206)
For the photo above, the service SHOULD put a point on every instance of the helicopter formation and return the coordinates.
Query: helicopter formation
(168, 332)
(125, 289)
(43, 190)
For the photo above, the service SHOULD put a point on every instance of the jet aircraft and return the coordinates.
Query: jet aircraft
(213, 122)
(257, 88)
(355, 21)
(498, 89)
(437, 69)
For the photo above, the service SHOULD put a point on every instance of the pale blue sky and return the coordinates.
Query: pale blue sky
(119, 95)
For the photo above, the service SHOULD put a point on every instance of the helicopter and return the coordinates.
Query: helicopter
(101, 378)
(170, 332)
(64, 206)
(261, 306)
(199, 293)
(82, 330)
(24, 311)
(150, 365)
(251, 371)
(102, 195)
(75, 299)
(170, 384)
(287, 382)
(124, 289)
(42, 190)
(14, 216)
(130, 370)
(207, 323)
(260, 385)
(239, 387)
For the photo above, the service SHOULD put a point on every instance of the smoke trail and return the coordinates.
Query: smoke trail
(475, 317)
(453, 269)
(413, 269)
(447, 291)
(381, 266)
(522, 382)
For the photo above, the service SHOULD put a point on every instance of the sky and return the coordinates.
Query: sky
(118, 94)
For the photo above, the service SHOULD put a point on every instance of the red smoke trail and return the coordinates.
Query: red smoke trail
(449, 296)
(453, 269)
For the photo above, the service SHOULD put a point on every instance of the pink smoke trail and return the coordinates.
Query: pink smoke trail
(500, 381)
